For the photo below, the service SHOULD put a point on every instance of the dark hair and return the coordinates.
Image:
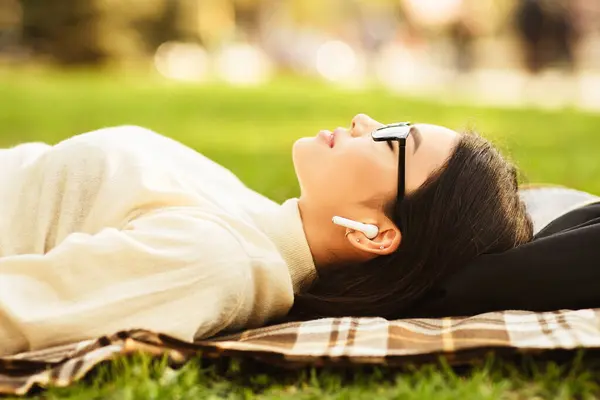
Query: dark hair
(469, 207)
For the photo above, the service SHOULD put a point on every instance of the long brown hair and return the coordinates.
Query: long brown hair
(469, 207)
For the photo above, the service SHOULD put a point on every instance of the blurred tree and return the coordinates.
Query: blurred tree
(130, 30)
(80, 32)
(548, 32)
(214, 21)
(10, 23)
(162, 27)
(247, 17)
(66, 30)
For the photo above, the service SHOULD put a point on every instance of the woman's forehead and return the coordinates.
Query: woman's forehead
(428, 147)
(427, 138)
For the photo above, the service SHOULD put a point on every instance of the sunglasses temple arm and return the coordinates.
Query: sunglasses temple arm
(402, 170)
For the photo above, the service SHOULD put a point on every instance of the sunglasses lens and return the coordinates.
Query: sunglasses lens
(390, 132)
(382, 133)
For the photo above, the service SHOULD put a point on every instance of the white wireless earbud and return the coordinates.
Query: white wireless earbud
(370, 231)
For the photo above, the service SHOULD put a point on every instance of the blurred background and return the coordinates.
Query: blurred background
(240, 80)
(507, 52)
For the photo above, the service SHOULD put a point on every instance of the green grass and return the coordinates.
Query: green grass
(250, 131)
(143, 378)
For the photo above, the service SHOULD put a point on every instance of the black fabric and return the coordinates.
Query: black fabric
(559, 269)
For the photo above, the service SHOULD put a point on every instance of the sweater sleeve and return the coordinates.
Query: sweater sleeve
(173, 270)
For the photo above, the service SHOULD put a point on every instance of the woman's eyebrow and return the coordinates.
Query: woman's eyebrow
(417, 138)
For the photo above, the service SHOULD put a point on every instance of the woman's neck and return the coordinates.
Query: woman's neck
(326, 244)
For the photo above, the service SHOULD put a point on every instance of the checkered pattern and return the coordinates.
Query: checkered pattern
(333, 340)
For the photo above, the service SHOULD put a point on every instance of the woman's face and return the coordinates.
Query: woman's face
(342, 168)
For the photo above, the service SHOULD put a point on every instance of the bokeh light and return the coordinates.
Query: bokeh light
(433, 12)
(337, 61)
(400, 69)
(589, 87)
(243, 64)
(182, 61)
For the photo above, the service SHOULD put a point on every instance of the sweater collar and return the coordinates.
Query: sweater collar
(284, 227)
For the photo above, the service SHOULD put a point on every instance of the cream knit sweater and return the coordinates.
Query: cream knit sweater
(123, 228)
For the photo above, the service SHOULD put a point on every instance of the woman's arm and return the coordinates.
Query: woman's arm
(175, 270)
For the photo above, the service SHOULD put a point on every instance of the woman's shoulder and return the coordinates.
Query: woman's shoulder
(122, 136)
(128, 144)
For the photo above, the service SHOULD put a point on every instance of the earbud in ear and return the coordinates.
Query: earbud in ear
(370, 231)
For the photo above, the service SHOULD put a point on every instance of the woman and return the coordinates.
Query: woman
(123, 228)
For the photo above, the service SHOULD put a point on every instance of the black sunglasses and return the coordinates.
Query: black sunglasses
(399, 132)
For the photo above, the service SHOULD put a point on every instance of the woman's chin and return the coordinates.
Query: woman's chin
(305, 149)
(305, 141)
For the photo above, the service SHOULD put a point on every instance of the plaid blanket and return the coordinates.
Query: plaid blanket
(335, 341)
(322, 342)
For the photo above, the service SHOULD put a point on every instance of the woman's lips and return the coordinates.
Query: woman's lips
(327, 137)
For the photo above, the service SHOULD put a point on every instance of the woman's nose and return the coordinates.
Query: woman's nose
(362, 124)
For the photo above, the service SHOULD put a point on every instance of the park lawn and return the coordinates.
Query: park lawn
(251, 131)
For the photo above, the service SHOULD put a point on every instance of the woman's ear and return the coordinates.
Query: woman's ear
(386, 242)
